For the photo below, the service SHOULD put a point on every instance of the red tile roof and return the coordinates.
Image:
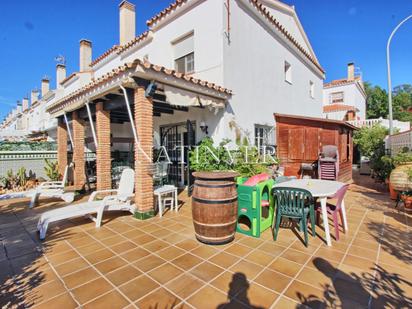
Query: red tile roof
(108, 52)
(173, 6)
(340, 82)
(55, 107)
(331, 108)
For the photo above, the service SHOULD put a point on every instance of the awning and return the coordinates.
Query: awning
(181, 97)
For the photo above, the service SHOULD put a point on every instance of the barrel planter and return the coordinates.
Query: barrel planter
(399, 178)
(214, 207)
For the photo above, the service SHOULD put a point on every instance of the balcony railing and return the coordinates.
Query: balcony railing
(402, 126)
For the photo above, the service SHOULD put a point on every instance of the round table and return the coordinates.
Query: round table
(321, 189)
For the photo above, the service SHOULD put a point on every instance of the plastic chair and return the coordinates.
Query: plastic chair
(296, 204)
(334, 209)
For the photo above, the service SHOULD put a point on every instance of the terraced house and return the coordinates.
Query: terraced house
(203, 68)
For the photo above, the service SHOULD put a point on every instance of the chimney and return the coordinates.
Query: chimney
(45, 86)
(351, 71)
(127, 22)
(33, 98)
(85, 55)
(18, 107)
(25, 104)
(60, 75)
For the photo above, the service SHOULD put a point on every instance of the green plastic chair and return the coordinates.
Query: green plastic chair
(296, 204)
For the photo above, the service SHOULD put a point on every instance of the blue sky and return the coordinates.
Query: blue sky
(33, 33)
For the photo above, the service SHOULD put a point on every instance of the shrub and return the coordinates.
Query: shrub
(52, 170)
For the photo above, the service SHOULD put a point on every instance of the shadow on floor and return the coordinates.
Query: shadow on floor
(351, 290)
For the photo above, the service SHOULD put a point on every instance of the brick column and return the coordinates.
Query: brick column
(78, 151)
(103, 160)
(61, 145)
(143, 114)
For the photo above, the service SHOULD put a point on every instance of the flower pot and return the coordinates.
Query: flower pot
(214, 207)
(407, 200)
(392, 192)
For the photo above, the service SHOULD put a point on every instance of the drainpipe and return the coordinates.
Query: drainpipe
(129, 111)
(68, 130)
(89, 114)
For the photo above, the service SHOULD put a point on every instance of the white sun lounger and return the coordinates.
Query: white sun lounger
(120, 199)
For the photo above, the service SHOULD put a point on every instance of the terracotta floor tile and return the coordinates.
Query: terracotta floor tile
(113, 240)
(82, 276)
(224, 259)
(204, 251)
(285, 266)
(271, 248)
(206, 271)
(251, 242)
(238, 250)
(143, 239)
(165, 273)
(371, 245)
(184, 285)
(363, 253)
(91, 290)
(110, 265)
(43, 292)
(173, 238)
(123, 247)
(317, 278)
(358, 262)
(161, 298)
(138, 287)
(110, 300)
(259, 257)
(61, 301)
(286, 303)
(71, 266)
(170, 253)
(295, 256)
(230, 283)
(134, 254)
(99, 256)
(207, 298)
(355, 291)
(149, 262)
(64, 257)
(83, 241)
(247, 268)
(188, 244)
(306, 294)
(329, 254)
(85, 250)
(156, 245)
(187, 261)
(124, 274)
(257, 297)
(273, 280)
(160, 233)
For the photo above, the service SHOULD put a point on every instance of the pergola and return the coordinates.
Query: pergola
(135, 93)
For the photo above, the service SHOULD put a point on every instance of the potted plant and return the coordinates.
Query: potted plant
(214, 198)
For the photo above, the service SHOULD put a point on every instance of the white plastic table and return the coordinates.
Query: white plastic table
(321, 189)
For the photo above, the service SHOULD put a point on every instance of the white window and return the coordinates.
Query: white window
(288, 72)
(312, 89)
(264, 136)
(336, 97)
(184, 55)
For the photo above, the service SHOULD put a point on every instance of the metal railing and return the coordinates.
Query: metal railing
(402, 126)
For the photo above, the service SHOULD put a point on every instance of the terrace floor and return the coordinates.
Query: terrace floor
(158, 263)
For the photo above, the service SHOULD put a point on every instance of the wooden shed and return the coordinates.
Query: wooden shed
(300, 139)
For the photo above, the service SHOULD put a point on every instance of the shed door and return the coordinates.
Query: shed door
(311, 144)
(296, 143)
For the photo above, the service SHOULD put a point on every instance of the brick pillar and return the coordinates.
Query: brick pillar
(61, 145)
(78, 151)
(143, 114)
(103, 160)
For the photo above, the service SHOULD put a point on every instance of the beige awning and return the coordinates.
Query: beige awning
(181, 97)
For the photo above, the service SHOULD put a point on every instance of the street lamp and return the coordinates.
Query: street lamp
(389, 73)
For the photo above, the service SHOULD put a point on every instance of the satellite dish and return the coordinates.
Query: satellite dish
(60, 59)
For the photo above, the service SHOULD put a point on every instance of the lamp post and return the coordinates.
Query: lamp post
(389, 72)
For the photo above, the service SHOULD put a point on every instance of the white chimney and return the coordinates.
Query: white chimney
(85, 55)
(60, 75)
(18, 108)
(25, 104)
(33, 98)
(45, 86)
(127, 22)
(351, 71)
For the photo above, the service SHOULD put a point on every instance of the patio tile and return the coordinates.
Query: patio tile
(247, 268)
(188, 244)
(273, 280)
(206, 271)
(122, 275)
(85, 250)
(71, 266)
(82, 276)
(165, 273)
(295, 256)
(284, 266)
(173, 238)
(204, 251)
(113, 240)
(257, 297)
(110, 300)
(156, 245)
(149, 262)
(138, 287)
(286, 303)
(110, 264)
(358, 262)
(317, 278)
(363, 253)
(329, 254)
(224, 259)
(91, 290)
(170, 253)
(44, 292)
(231, 283)
(61, 301)
(238, 250)
(134, 254)
(161, 298)
(306, 294)
(272, 248)
(83, 241)
(184, 285)
(260, 258)
(60, 258)
(208, 297)
(251, 242)
(123, 247)
(99, 256)
(187, 261)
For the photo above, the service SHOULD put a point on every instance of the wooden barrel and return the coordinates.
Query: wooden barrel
(399, 178)
(214, 207)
